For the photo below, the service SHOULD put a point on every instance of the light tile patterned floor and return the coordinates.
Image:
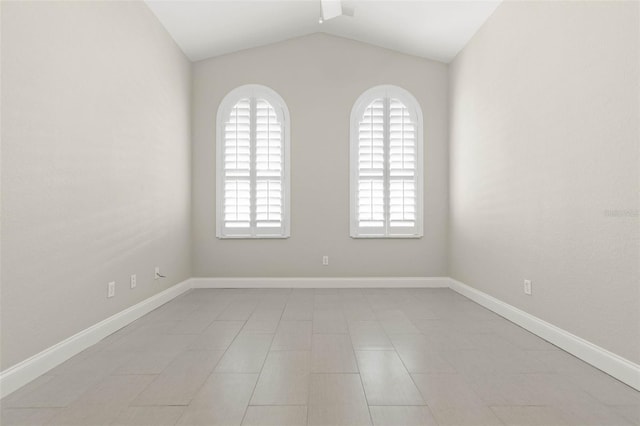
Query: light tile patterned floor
(351, 357)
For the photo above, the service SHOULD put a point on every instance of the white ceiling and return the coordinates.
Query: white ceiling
(430, 29)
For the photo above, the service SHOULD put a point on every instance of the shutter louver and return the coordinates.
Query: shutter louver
(252, 164)
(371, 170)
(387, 170)
(237, 166)
(402, 166)
(268, 161)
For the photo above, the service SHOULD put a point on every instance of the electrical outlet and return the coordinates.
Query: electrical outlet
(111, 289)
(527, 287)
(133, 281)
(325, 260)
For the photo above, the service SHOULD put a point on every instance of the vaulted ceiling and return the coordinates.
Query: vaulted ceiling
(430, 29)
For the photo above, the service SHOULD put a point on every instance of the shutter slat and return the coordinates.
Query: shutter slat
(253, 168)
(237, 163)
(396, 158)
(237, 203)
(402, 202)
(370, 203)
(268, 163)
(402, 166)
(267, 160)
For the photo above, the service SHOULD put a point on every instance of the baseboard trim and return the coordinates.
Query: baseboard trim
(322, 282)
(612, 364)
(22, 373)
(25, 371)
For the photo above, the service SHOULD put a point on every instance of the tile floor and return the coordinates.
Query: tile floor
(323, 357)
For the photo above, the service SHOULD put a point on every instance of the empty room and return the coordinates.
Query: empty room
(320, 212)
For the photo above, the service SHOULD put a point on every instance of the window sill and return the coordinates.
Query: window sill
(246, 237)
(385, 237)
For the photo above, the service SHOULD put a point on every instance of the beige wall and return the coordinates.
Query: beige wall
(319, 77)
(545, 162)
(96, 159)
(95, 166)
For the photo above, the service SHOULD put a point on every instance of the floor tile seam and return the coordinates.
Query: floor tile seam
(132, 405)
(212, 370)
(364, 391)
(403, 364)
(253, 391)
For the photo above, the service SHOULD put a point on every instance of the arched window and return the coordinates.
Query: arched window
(386, 164)
(252, 173)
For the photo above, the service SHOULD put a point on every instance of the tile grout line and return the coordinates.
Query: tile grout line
(353, 350)
(402, 361)
(214, 367)
(265, 359)
(385, 301)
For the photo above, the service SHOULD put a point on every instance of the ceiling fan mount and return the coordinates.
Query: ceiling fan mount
(330, 9)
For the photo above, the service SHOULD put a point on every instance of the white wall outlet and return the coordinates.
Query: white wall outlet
(527, 287)
(111, 289)
(133, 281)
(325, 260)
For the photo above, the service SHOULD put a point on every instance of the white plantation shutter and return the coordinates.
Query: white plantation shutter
(402, 167)
(252, 164)
(237, 166)
(268, 167)
(386, 164)
(371, 170)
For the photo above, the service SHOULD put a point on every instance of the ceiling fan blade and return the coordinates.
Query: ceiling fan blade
(331, 8)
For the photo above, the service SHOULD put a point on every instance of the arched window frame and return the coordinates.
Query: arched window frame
(252, 91)
(357, 112)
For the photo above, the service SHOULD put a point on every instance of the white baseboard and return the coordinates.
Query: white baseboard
(25, 371)
(322, 282)
(612, 364)
(22, 373)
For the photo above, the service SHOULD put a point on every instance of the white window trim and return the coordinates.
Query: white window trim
(385, 91)
(227, 104)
